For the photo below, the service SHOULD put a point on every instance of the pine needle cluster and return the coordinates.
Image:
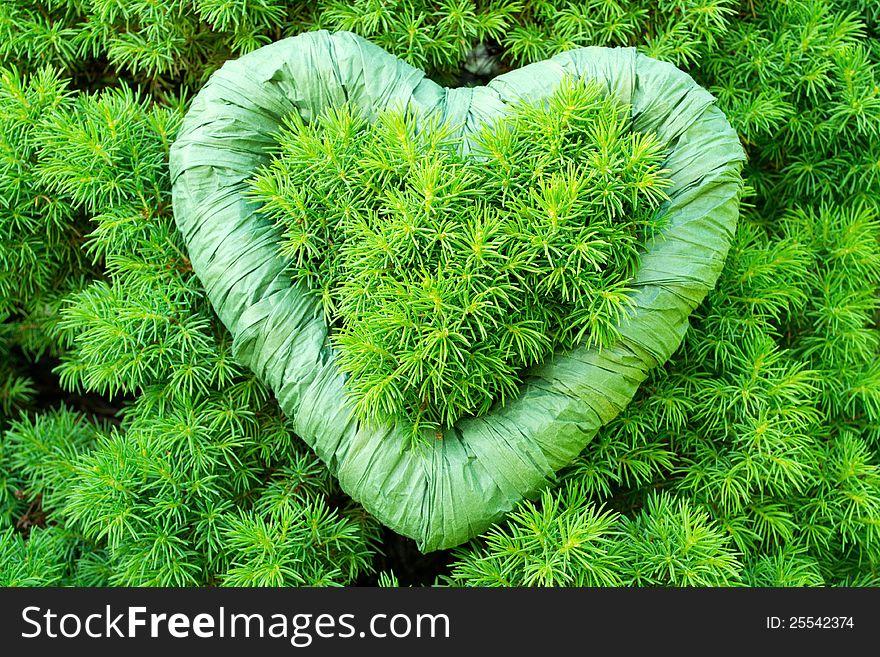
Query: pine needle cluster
(447, 275)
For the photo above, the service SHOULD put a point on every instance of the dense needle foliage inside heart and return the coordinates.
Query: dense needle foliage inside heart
(443, 273)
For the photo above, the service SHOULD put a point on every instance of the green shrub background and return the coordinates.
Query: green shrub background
(135, 451)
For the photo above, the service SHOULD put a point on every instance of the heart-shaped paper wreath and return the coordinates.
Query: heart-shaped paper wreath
(446, 492)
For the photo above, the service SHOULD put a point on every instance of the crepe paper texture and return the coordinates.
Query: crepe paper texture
(446, 492)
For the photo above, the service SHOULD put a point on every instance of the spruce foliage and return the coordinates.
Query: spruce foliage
(751, 458)
(449, 274)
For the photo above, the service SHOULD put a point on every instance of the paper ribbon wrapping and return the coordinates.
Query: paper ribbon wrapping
(446, 492)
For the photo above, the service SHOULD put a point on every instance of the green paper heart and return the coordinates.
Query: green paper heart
(445, 493)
